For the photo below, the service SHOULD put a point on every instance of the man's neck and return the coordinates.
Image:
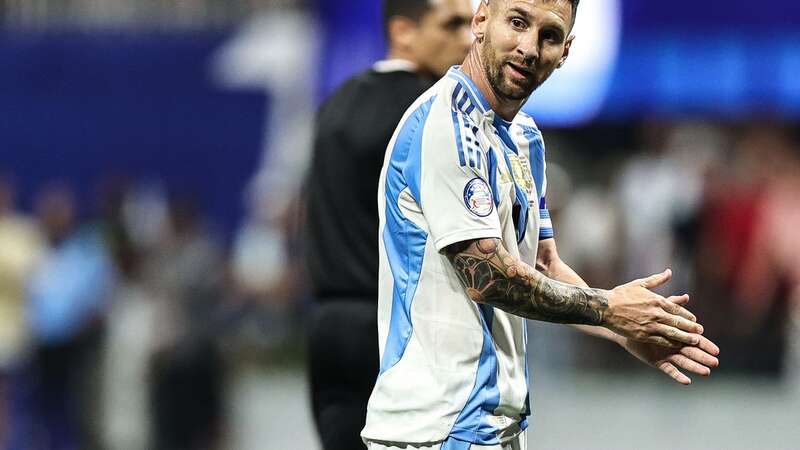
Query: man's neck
(473, 68)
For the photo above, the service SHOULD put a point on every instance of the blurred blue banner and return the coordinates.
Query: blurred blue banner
(81, 107)
(632, 58)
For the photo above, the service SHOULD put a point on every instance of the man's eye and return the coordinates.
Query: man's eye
(551, 36)
(517, 23)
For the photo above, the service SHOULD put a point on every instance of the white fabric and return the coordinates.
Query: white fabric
(394, 65)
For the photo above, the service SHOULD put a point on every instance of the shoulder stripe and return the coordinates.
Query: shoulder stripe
(457, 127)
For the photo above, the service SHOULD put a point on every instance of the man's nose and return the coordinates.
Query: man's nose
(528, 46)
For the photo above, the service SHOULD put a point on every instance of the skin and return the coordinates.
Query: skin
(440, 39)
(518, 46)
(699, 359)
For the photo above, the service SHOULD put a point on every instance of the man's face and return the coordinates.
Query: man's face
(443, 35)
(524, 41)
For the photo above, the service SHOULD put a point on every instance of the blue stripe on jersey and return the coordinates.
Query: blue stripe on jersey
(463, 100)
(403, 240)
(457, 125)
(471, 424)
(474, 93)
(492, 169)
(521, 199)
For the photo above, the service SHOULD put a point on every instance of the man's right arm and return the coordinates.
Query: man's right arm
(491, 275)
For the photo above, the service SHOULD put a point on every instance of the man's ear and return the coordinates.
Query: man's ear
(401, 32)
(480, 21)
(567, 46)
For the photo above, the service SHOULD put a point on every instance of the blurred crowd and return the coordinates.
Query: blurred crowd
(123, 328)
(716, 203)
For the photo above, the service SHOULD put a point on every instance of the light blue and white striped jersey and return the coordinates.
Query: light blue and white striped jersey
(453, 171)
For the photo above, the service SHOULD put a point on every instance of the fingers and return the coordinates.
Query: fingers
(677, 335)
(680, 323)
(700, 356)
(661, 342)
(654, 281)
(679, 299)
(708, 346)
(678, 310)
(673, 372)
(689, 364)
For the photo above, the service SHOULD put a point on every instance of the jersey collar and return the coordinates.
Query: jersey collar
(394, 65)
(475, 94)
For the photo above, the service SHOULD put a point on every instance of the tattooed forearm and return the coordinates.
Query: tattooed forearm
(493, 276)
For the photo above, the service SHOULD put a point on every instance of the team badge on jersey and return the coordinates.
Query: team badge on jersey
(478, 197)
(521, 169)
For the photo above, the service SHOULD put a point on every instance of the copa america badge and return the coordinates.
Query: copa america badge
(478, 197)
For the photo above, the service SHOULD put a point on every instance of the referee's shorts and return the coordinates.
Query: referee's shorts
(518, 442)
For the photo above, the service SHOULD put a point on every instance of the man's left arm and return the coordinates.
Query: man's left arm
(697, 359)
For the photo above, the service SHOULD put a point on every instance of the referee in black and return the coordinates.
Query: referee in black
(354, 127)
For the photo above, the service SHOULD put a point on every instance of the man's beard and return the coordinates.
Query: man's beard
(501, 86)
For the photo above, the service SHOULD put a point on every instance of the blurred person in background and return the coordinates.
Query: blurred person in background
(745, 268)
(354, 126)
(186, 274)
(662, 188)
(733, 197)
(768, 292)
(264, 268)
(124, 416)
(21, 246)
(66, 295)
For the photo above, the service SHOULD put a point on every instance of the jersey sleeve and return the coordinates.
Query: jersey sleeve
(456, 196)
(545, 223)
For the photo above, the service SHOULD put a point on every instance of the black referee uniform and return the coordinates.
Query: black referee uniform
(353, 129)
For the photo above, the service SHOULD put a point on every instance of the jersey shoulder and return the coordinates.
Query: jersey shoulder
(526, 132)
(438, 109)
(526, 122)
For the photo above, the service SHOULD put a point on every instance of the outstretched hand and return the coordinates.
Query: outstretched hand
(637, 313)
(698, 359)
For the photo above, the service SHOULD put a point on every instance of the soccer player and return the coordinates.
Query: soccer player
(354, 126)
(467, 252)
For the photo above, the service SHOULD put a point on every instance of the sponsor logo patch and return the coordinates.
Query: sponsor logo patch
(478, 197)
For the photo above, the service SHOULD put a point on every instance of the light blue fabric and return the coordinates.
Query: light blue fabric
(69, 287)
(403, 240)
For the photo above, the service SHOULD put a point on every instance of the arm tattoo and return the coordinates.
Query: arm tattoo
(493, 276)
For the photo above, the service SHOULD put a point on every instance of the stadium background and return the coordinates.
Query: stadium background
(166, 142)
